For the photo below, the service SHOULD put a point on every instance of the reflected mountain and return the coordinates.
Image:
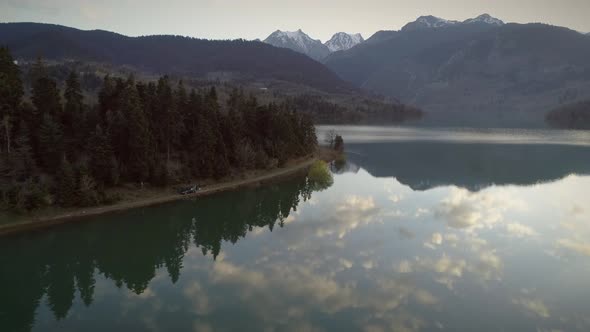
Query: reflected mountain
(425, 165)
(130, 247)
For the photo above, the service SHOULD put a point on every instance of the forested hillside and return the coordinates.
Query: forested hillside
(239, 59)
(58, 150)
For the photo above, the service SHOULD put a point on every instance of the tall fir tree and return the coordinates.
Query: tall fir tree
(211, 108)
(11, 85)
(103, 165)
(139, 135)
(50, 144)
(66, 186)
(73, 113)
(23, 162)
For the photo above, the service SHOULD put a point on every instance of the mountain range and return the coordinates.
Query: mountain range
(479, 68)
(300, 42)
(190, 57)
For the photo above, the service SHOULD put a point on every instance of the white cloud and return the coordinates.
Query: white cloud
(519, 230)
(533, 306)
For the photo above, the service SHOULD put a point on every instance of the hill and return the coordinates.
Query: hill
(236, 59)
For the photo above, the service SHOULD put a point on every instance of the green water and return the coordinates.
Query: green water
(420, 231)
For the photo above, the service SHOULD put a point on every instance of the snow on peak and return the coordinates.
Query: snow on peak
(342, 41)
(298, 41)
(426, 22)
(485, 18)
(299, 38)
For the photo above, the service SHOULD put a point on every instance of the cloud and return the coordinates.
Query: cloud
(519, 230)
(579, 247)
(395, 198)
(464, 209)
(488, 267)
(536, 307)
(435, 240)
(404, 267)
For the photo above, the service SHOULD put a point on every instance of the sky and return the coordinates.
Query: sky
(231, 19)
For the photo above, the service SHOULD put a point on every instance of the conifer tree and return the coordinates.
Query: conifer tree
(103, 165)
(46, 95)
(50, 144)
(23, 163)
(66, 185)
(11, 92)
(72, 115)
(11, 85)
(139, 135)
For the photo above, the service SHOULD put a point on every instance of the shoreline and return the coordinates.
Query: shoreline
(32, 224)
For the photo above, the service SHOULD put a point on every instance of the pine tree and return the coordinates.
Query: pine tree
(66, 186)
(46, 101)
(23, 163)
(11, 93)
(107, 98)
(139, 135)
(46, 95)
(50, 144)
(211, 108)
(72, 115)
(11, 86)
(118, 133)
(177, 117)
(103, 165)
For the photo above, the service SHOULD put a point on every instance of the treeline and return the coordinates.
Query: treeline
(352, 111)
(57, 150)
(573, 116)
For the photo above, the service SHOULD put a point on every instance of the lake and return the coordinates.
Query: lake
(421, 230)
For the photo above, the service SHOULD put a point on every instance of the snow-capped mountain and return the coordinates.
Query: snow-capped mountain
(300, 42)
(428, 22)
(342, 41)
(485, 18)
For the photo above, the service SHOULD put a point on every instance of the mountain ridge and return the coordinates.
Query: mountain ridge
(168, 54)
(298, 41)
(486, 68)
(301, 42)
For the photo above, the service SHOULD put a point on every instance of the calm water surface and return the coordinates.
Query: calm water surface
(422, 230)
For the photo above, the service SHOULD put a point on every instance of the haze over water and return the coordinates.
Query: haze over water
(422, 230)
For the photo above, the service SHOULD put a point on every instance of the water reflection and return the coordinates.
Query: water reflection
(130, 248)
(368, 253)
(427, 165)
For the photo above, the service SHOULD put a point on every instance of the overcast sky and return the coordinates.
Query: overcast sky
(227, 19)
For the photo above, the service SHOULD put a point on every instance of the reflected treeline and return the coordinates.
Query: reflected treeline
(130, 247)
(426, 165)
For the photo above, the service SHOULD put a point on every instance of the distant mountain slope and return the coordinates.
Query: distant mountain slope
(343, 41)
(571, 116)
(169, 54)
(300, 42)
(480, 65)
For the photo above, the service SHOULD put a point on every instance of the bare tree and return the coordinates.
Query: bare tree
(330, 137)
